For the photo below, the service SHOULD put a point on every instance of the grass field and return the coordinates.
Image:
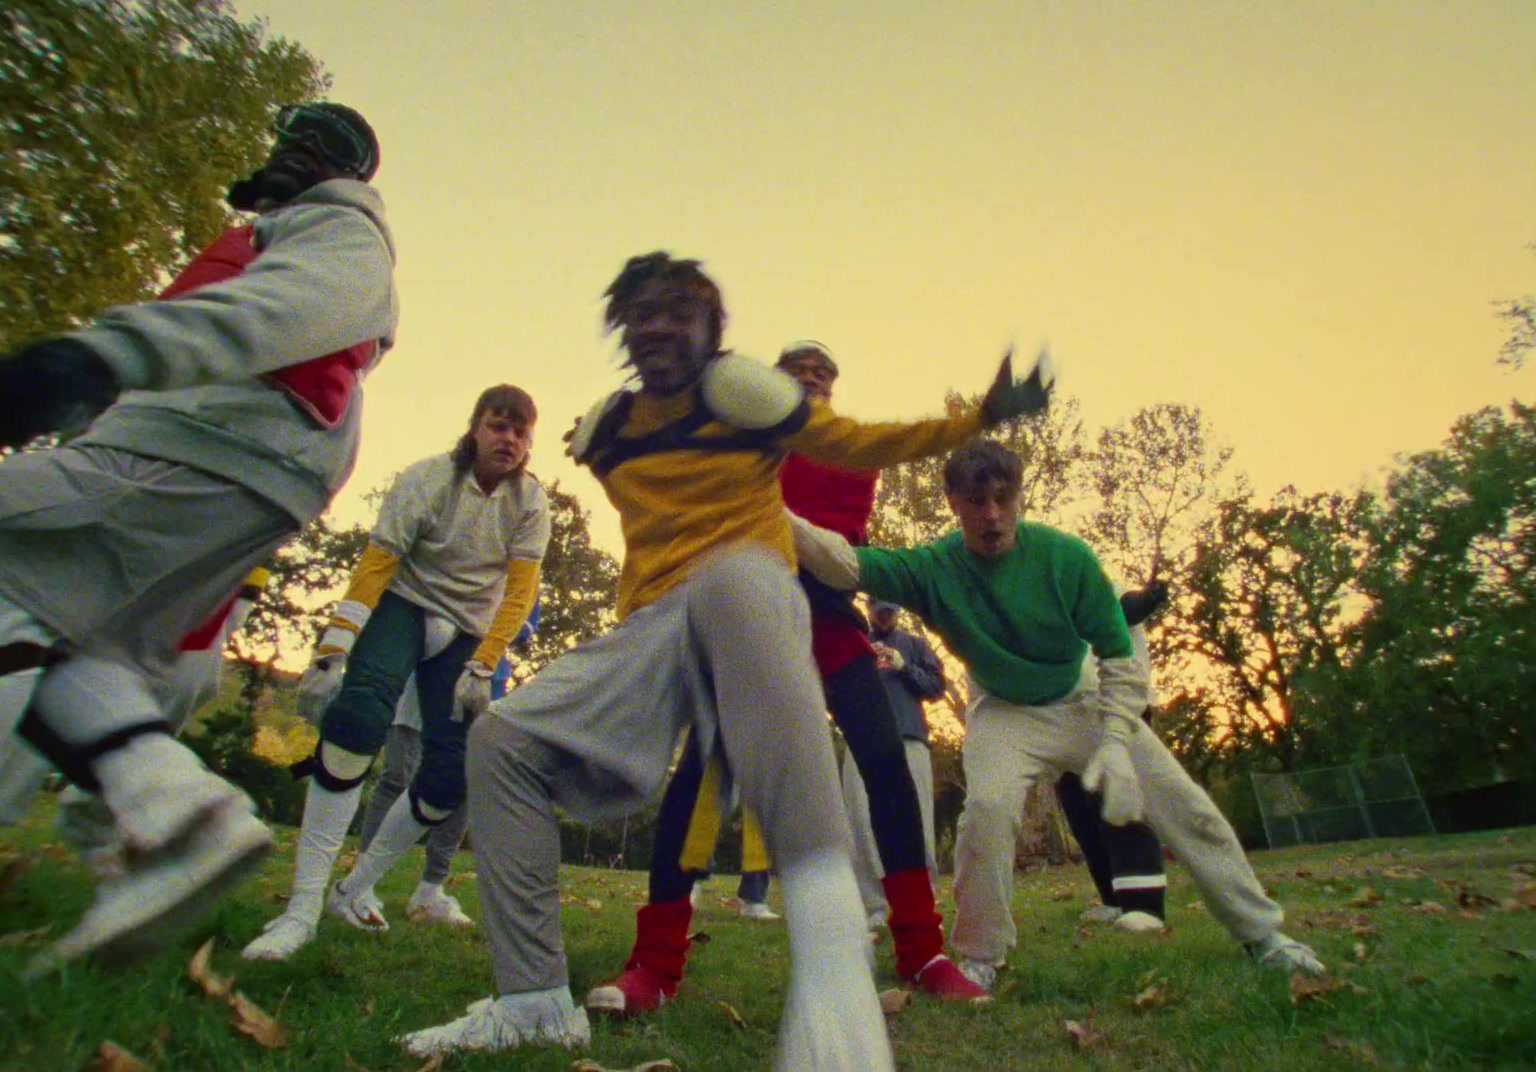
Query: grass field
(1431, 945)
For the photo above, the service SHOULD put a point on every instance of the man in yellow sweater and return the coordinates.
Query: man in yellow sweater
(714, 634)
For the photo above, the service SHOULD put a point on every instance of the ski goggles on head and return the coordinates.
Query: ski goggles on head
(329, 134)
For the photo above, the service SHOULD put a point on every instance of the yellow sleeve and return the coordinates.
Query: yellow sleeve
(843, 441)
(516, 604)
(369, 580)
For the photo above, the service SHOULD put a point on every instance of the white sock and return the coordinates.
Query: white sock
(427, 891)
(327, 814)
(398, 831)
(832, 1017)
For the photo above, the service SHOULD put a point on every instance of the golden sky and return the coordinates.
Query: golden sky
(1295, 215)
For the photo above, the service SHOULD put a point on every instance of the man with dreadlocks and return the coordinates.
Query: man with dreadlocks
(238, 420)
(713, 636)
(841, 499)
(450, 571)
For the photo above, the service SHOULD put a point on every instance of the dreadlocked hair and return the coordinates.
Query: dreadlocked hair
(661, 267)
(504, 400)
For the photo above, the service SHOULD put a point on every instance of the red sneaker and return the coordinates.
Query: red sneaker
(638, 990)
(942, 979)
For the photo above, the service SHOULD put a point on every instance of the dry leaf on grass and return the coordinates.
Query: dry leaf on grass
(1429, 908)
(1083, 1034)
(13, 870)
(1060, 895)
(1153, 997)
(252, 1021)
(894, 1000)
(1364, 897)
(700, 938)
(1401, 872)
(212, 984)
(586, 1064)
(1467, 897)
(1306, 988)
(1360, 951)
(731, 1014)
(1357, 1049)
(110, 1057)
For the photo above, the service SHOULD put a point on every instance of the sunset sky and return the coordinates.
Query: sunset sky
(1296, 216)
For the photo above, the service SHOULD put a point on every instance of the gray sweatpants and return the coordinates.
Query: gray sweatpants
(1009, 747)
(402, 754)
(727, 651)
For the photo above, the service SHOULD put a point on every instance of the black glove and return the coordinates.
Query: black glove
(1008, 398)
(52, 385)
(1139, 604)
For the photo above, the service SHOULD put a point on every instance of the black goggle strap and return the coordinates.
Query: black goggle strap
(332, 137)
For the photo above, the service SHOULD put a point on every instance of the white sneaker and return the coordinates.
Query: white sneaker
(436, 906)
(280, 938)
(758, 910)
(363, 910)
(1100, 913)
(1286, 953)
(1140, 923)
(537, 1016)
(160, 893)
(978, 971)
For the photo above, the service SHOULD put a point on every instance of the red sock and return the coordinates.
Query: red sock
(916, 926)
(661, 940)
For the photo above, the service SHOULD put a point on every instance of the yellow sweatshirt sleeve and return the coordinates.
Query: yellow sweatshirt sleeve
(843, 441)
(516, 604)
(369, 580)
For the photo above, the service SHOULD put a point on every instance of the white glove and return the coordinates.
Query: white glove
(825, 554)
(1111, 774)
(887, 657)
(320, 684)
(472, 695)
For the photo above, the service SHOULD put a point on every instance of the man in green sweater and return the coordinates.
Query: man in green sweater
(1023, 606)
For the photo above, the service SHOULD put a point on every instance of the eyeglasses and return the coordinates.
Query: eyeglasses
(328, 134)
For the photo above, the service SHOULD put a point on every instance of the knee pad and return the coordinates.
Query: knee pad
(335, 768)
(427, 814)
(74, 761)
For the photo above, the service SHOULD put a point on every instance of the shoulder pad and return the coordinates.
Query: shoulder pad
(583, 436)
(748, 394)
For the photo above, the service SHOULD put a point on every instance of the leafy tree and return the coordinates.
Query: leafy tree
(1520, 314)
(121, 126)
(1444, 669)
(1269, 593)
(579, 583)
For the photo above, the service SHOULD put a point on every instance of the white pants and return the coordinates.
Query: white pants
(1009, 747)
(866, 856)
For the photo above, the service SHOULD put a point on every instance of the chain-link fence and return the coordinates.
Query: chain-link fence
(1377, 798)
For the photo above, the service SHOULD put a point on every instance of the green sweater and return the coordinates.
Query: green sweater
(1022, 622)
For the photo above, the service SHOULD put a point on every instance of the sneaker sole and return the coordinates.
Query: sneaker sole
(611, 1001)
(149, 924)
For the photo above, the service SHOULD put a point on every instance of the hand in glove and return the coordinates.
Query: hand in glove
(887, 657)
(1008, 398)
(320, 684)
(1139, 604)
(53, 385)
(1111, 774)
(472, 695)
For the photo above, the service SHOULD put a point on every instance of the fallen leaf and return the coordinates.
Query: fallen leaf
(700, 938)
(1399, 872)
(367, 1006)
(586, 1064)
(594, 905)
(1061, 895)
(13, 870)
(1356, 1048)
(1360, 951)
(1312, 987)
(1153, 997)
(1364, 930)
(110, 1057)
(731, 1014)
(250, 1020)
(1364, 897)
(894, 1000)
(1470, 917)
(1003, 988)
(1082, 1032)
(1429, 908)
(212, 984)
(1467, 897)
